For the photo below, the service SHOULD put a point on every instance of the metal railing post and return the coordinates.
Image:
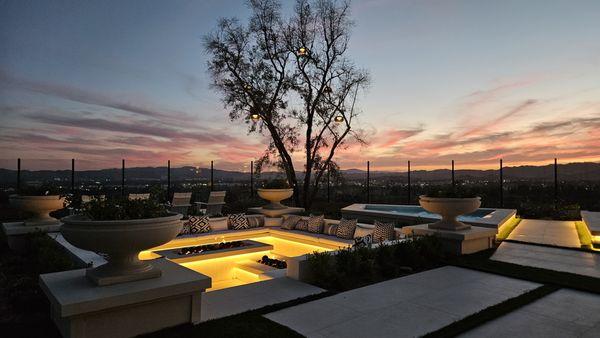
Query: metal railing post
(555, 182)
(18, 175)
(328, 183)
(501, 185)
(168, 179)
(123, 177)
(251, 179)
(72, 176)
(408, 184)
(453, 183)
(211, 176)
(368, 181)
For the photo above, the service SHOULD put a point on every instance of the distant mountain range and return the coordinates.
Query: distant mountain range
(572, 171)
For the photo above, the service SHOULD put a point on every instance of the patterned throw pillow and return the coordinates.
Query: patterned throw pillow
(364, 241)
(199, 224)
(330, 229)
(289, 223)
(238, 222)
(383, 232)
(315, 224)
(346, 228)
(185, 230)
(302, 225)
(255, 221)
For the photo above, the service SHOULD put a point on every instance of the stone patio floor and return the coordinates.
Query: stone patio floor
(408, 306)
(573, 261)
(560, 233)
(226, 302)
(564, 313)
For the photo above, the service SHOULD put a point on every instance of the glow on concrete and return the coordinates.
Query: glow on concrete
(403, 307)
(560, 233)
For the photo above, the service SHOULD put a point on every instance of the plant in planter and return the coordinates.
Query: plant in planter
(449, 202)
(275, 191)
(39, 202)
(121, 228)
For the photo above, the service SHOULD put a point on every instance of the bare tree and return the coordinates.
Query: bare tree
(290, 79)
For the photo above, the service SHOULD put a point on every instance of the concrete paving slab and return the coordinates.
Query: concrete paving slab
(560, 233)
(564, 313)
(573, 261)
(409, 306)
(226, 302)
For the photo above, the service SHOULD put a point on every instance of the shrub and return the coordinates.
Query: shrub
(356, 267)
(123, 209)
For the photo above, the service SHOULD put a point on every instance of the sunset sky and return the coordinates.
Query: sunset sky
(472, 81)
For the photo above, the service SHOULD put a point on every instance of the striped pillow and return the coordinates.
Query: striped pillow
(330, 229)
(199, 224)
(238, 222)
(289, 223)
(383, 232)
(315, 224)
(255, 221)
(346, 228)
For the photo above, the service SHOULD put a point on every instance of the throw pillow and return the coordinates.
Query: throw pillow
(289, 223)
(302, 225)
(255, 221)
(185, 230)
(364, 241)
(315, 224)
(346, 228)
(238, 222)
(199, 224)
(383, 232)
(330, 229)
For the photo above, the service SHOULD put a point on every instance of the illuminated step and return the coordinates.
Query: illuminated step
(261, 271)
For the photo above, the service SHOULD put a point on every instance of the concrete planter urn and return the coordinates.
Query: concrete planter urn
(449, 209)
(275, 196)
(121, 241)
(39, 207)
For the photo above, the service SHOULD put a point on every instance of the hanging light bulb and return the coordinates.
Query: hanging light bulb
(254, 117)
(338, 119)
(327, 90)
(302, 51)
(247, 86)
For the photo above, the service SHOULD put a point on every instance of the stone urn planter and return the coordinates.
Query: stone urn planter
(275, 196)
(121, 241)
(39, 207)
(449, 208)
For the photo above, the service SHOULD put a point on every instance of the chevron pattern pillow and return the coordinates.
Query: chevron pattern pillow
(185, 230)
(346, 228)
(199, 224)
(289, 223)
(315, 224)
(302, 225)
(383, 232)
(238, 221)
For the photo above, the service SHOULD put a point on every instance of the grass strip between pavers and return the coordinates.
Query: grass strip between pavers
(480, 261)
(246, 324)
(495, 311)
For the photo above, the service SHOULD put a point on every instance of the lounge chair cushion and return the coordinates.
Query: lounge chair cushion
(289, 223)
(362, 231)
(383, 232)
(198, 224)
(315, 224)
(346, 228)
(238, 221)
